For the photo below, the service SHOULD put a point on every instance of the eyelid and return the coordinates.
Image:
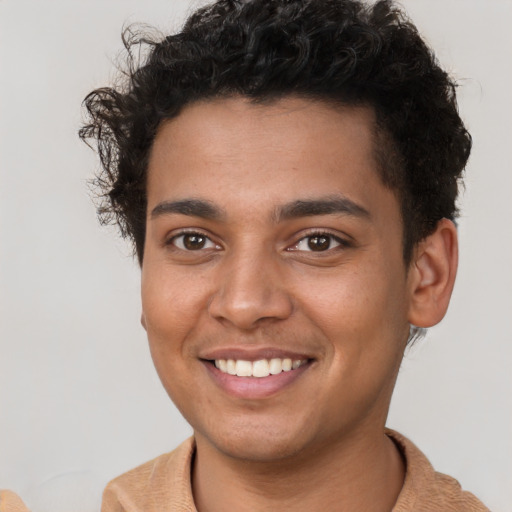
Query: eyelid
(342, 241)
(171, 237)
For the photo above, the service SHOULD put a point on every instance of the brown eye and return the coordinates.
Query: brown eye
(319, 243)
(193, 242)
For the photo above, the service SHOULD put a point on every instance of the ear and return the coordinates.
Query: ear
(432, 275)
(143, 320)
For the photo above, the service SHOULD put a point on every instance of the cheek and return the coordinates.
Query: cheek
(172, 301)
(170, 315)
(357, 307)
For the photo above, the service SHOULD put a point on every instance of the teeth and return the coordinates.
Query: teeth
(276, 366)
(260, 368)
(243, 368)
(230, 366)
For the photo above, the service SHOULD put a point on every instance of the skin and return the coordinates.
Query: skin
(256, 284)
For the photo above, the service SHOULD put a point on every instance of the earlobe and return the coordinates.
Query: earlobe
(143, 320)
(432, 275)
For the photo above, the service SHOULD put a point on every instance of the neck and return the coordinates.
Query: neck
(363, 471)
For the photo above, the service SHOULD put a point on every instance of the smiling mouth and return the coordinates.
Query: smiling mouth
(260, 368)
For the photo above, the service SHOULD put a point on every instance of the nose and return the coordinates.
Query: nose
(250, 292)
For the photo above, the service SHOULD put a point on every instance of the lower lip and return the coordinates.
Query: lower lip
(252, 388)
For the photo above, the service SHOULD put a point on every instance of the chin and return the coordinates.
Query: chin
(259, 448)
(257, 441)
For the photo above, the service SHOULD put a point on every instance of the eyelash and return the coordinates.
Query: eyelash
(341, 243)
(173, 240)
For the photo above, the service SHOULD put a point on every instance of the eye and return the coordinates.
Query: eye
(318, 242)
(193, 242)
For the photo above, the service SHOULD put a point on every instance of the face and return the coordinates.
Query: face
(274, 291)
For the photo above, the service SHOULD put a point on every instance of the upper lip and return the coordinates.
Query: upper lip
(252, 354)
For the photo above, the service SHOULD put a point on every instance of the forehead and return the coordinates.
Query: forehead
(290, 138)
(254, 162)
(243, 120)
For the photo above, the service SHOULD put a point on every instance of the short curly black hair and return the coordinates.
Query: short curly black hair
(342, 51)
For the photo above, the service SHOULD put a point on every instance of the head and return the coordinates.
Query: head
(287, 171)
(341, 52)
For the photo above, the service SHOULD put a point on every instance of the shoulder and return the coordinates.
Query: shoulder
(427, 490)
(10, 502)
(160, 484)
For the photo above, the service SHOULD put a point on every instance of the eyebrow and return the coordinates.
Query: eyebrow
(191, 207)
(330, 205)
(322, 206)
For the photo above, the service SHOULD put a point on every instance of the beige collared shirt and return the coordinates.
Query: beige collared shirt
(163, 484)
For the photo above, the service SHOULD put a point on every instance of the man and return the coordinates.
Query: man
(288, 172)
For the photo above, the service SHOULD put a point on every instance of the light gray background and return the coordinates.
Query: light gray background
(79, 399)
